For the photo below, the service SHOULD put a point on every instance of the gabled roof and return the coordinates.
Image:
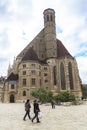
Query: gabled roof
(40, 35)
(61, 50)
(12, 77)
(30, 55)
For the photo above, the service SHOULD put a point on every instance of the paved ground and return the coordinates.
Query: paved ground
(60, 118)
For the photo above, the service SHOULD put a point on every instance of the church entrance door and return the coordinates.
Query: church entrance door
(12, 98)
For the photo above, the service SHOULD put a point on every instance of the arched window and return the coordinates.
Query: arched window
(51, 17)
(47, 17)
(70, 75)
(54, 74)
(62, 75)
(24, 93)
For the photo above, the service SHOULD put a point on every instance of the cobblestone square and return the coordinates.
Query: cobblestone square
(60, 118)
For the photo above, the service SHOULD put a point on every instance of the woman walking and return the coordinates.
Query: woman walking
(27, 109)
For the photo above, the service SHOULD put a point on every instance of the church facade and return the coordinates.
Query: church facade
(43, 63)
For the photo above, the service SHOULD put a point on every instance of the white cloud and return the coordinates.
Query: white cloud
(21, 21)
(82, 65)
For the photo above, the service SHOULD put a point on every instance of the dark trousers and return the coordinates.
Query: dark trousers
(53, 105)
(27, 113)
(36, 116)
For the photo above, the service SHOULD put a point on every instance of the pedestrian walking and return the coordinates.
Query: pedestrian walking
(27, 109)
(53, 104)
(36, 111)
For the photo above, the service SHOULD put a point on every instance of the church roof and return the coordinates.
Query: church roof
(12, 77)
(40, 35)
(61, 50)
(30, 55)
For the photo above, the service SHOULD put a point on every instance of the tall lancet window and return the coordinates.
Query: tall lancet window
(54, 74)
(51, 17)
(62, 76)
(70, 75)
(47, 17)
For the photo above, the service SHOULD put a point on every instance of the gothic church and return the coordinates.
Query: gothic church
(43, 63)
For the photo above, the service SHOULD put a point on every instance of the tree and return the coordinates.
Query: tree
(42, 94)
(84, 92)
(64, 97)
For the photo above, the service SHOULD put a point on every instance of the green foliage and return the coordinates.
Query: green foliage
(34, 93)
(84, 92)
(45, 95)
(71, 98)
(42, 94)
(64, 97)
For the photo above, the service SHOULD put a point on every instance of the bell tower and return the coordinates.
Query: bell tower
(50, 33)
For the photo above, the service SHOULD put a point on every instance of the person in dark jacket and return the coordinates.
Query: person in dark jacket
(27, 109)
(53, 104)
(36, 111)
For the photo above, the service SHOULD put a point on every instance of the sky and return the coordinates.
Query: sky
(22, 20)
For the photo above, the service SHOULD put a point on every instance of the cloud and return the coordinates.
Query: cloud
(21, 21)
(3, 40)
(82, 65)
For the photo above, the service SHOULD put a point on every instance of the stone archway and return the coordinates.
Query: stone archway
(12, 98)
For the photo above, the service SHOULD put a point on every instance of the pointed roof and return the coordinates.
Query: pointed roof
(30, 55)
(40, 35)
(61, 50)
(12, 77)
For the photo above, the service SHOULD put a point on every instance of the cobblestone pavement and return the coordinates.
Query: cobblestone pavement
(60, 118)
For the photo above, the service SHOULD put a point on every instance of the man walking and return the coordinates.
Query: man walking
(36, 111)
